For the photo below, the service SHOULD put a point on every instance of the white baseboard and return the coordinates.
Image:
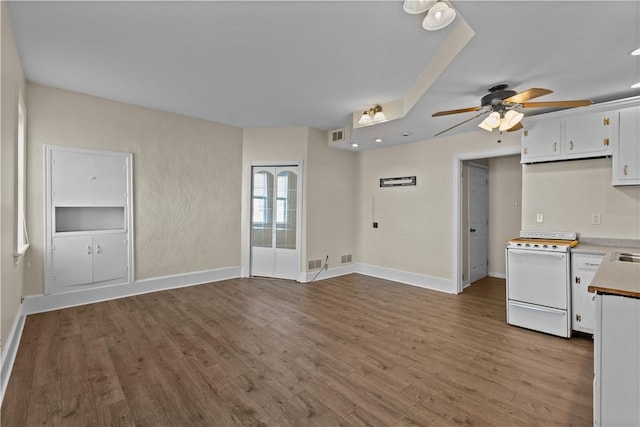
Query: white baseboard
(497, 275)
(327, 274)
(466, 283)
(10, 350)
(408, 278)
(41, 303)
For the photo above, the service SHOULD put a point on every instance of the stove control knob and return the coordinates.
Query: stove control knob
(545, 246)
(554, 246)
(536, 246)
(527, 245)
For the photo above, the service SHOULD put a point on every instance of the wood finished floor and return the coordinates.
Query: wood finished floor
(353, 350)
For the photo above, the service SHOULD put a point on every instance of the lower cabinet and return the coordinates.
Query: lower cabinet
(583, 268)
(616, 385)
(89, 258)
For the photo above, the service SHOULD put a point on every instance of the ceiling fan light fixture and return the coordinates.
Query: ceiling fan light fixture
(439, 16)
(635, 85)
(482, 125)
(492, 120)
(415, 7)
(510, 119)
(635, 52)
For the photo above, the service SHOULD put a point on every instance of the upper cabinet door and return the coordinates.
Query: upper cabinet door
(626, 160)
(109, 181)
(591, 133)
(541, 141)
(83, 179)
(71, 178)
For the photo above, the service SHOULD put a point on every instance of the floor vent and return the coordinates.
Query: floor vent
(315, 264)
(345, 259)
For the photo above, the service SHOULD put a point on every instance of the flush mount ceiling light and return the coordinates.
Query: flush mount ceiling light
(439, 16)
(635, 85)
(415, 7)
(635, 52)
(373, 116)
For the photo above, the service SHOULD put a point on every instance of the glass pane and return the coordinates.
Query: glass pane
(262, 210)
(286, 205)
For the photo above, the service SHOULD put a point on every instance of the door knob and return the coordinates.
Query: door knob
(473, 230)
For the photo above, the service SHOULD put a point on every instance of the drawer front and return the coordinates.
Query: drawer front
(543, 319)
(588, 263)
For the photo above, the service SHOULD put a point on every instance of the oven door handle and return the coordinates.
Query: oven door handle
(537, 252)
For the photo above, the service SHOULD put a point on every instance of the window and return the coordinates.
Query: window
(22, 238)
(259, 198)
(281, 199)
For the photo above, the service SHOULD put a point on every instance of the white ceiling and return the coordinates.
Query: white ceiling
(314, 63)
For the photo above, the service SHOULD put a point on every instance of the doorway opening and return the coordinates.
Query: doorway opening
(492, 211)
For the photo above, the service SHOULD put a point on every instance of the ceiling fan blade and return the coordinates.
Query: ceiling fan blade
(461, 110)
(461, 123)
(557, 104)
(528, 94)
(515, 127)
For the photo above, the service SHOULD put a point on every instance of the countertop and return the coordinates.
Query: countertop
(617, 277)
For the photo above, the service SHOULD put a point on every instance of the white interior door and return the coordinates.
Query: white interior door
(275, 220)
(478, 252)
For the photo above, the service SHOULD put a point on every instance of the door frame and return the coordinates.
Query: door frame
(245, 244)
(458, 158)
(466, 283)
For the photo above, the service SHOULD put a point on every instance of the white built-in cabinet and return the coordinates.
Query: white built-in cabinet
(88, 218)
(589, 135)
(616, 384)
(610, 129)
(626, 156)
(583, 304)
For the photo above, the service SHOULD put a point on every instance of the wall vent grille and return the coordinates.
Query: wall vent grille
(315, 264)
(345, 259)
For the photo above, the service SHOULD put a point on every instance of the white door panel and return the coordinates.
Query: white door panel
(478, 252)
(109, 181)
(109, 257)
(71, 260)
(71, 178)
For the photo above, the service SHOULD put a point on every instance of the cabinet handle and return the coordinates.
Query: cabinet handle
(93, 177)
(626, 170)
(526, 151)
(577, 280)
(89, 250)
(578, 318)
(570, 145)
(606, 142)
(98, 249)
(555, 146)
(606, 121)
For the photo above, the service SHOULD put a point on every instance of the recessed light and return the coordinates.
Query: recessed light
(378, 139)
(354, 144)
(635, 52)
(635, 86)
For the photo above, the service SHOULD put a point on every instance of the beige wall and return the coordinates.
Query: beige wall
(331, 177)
(505, 208)
(415, 223)
(11, 85)
(187, 173)
(567, 193)
(328, 188)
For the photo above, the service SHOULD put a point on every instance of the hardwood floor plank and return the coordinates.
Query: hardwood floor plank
(351, 350)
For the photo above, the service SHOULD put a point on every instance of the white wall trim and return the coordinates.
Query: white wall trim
(10, 350)
(407, 277)
(41, 303)
(327, 274)
(456, 169)
(497, 275)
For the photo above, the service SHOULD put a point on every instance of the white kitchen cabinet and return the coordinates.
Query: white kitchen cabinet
(583, 268)
(541, 140)
(88, 219)
(88, 179)
(616, 386)
(589, 135)
(626, 157)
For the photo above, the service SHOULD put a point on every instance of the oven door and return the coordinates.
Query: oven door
(538, 277)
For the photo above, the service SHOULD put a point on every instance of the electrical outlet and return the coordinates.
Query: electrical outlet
(595, 219)
(539, 218)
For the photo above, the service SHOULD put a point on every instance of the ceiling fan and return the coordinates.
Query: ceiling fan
(501, 103)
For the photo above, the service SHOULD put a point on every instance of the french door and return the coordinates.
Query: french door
(275, 220)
